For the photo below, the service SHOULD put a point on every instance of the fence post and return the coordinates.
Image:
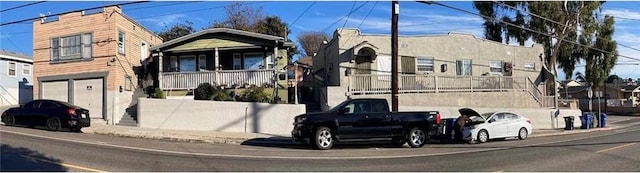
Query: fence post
(435, 78)
(471, 83)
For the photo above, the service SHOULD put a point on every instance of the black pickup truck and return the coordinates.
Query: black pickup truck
(365, 120)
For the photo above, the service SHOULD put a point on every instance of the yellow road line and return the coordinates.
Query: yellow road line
(66, 165)
(499, 171)
(613, 148)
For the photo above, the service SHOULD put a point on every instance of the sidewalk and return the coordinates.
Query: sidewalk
(238, 137)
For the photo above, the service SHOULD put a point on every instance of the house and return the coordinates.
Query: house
(298, 75)
(624, 94)
(89, 58)
(450, 70)
(224, 57)
(16, 78)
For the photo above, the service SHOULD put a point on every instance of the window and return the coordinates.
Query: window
(26, 69)
(187, 63)
(12, 69)
(530, 66)
(424, 64)
(495, 66)
(237, 61)
(144, 51)
(121, 42)
(32, 104)
(128, 83)
(48, 105)
(173, 64)
(202, 62)
(463, 67)
(71, 47)
(253, 61)
(270, 61)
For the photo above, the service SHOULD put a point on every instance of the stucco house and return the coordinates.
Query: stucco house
(220, 56)
(16, 78)
(435, 70)
(89, 58)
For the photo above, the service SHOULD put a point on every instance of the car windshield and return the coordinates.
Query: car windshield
(486, 115)
(334, 109)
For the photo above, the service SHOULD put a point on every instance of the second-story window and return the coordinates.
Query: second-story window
(495, 66)
(121, 42)
(12, 69)
(71, 47)
(26, 69)
(424, 64)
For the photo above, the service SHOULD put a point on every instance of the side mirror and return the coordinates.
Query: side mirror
(491, 120)
(345, 110)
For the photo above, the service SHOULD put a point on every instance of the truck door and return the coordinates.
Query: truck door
(347, 127)
(375, 119)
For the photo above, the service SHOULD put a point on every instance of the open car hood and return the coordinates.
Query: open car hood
(469, 112)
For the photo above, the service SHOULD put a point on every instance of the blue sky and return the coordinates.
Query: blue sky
(415, 19)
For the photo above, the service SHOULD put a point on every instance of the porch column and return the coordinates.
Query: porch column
(160, 69)
(275, 57)
(217, 60)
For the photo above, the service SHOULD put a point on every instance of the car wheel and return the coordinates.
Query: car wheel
(483, 136)
(416, 137)
(53, 124)
(523, 133)
(9, 120)
(323, 139)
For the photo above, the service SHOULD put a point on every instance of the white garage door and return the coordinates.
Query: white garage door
(58, 90)
(88, 94)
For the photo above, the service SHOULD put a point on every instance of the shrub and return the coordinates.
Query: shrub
(204, 91)
(220, 94)
(255, 94)
(159, 94)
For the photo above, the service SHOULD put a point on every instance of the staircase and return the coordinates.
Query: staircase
(130, 117)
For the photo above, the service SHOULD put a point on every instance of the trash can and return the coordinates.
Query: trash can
(586, 119)
(603, 120)
(568, 123)
(448, 128)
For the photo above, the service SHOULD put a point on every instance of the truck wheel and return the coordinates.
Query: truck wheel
(323, 138)
(483, 136)
(522, 134)
(416, 137)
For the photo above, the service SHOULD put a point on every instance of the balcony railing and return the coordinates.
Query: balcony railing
(381, 84)
(228, 78)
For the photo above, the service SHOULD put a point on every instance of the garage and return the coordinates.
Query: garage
(87, 93)
(56, 90)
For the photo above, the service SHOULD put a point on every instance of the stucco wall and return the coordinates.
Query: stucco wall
(248, 117)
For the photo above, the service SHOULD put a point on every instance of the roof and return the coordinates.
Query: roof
(222, 30)
(15, 56)
(630, 87)
(308, 60)
(574, 89)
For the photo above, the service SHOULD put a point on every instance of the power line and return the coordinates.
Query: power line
(345, 21)
(190, 11)
(93, 8)
(352, 11)
(367, 16)
(558, 23)
(21, 6)
(305, 11)
(163, 5)
(530, 30)
(626, 18)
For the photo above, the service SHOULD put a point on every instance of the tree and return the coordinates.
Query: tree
(311, 41)
(600, 64)
(613, 78)
(176, 31)
(246, 18)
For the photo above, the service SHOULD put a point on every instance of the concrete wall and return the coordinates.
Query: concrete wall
(179, 114)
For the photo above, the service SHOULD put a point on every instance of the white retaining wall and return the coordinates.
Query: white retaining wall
(182, 114)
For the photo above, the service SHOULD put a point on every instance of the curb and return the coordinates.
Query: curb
(567, 132)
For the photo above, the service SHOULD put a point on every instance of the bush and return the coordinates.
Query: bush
(220, 94)
(204, 91)
(255, 94)
(159, 94)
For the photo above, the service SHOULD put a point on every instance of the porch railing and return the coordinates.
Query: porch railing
(228, 78)
(381, 84)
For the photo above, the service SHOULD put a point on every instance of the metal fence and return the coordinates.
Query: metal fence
(228, 78)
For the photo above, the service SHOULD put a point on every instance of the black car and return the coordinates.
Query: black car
(50, 113)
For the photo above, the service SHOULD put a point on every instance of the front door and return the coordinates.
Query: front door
(498, 126)
(373, 121)
(363, 70)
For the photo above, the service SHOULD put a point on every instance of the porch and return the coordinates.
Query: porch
(227, 78)
(362, 84)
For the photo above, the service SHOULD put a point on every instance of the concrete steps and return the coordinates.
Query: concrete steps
(130, 117)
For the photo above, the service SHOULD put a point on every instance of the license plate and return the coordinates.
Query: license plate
(85, 116)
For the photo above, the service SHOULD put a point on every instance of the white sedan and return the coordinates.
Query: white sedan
(494, 125)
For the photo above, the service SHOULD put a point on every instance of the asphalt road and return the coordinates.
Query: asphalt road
(25, 149)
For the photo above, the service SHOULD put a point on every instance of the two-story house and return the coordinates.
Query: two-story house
(434, 70)
(88, 59)
(15, 78)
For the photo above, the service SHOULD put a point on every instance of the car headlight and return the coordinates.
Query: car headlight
(299, 120)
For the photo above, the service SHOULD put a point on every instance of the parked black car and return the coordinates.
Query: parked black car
(368, 120)
(50, 113)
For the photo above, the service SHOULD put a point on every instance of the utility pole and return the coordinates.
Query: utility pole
(394, 55)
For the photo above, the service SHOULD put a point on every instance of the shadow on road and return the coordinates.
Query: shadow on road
(283, 142)
(24, 159)
(44, 128)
